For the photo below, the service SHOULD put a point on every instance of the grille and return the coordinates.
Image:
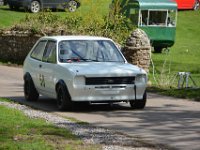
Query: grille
(109, 80)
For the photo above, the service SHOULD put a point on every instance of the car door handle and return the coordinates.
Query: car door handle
(40, 66)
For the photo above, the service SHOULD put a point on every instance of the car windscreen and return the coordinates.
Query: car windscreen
(89, 50)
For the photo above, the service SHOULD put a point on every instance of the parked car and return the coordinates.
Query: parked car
(82, 69)
(36, 5)
(188, 4)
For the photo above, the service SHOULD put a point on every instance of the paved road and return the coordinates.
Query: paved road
(166, 120)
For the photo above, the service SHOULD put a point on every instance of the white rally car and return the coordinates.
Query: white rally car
(82, 69)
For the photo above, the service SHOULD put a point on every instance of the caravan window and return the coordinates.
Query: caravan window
(165, 18)
(157, 18)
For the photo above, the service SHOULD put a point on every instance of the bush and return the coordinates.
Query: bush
(113, 25)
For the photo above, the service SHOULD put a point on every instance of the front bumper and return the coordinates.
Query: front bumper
(112, 93)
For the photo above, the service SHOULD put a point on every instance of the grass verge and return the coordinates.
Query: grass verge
(184, 56)
(188, 93)
(17, 131)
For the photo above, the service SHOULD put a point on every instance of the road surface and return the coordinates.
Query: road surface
(165, 120)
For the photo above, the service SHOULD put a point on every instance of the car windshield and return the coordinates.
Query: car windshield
(88, 50)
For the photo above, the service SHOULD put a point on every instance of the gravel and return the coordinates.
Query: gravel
(110, 140)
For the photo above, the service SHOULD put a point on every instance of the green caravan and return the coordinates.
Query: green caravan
(156, 17)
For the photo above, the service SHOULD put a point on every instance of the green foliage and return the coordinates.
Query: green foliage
(8, 18)
(163, 78)
(93, 23)
(38, 23)
(185, 54)
(189, 93)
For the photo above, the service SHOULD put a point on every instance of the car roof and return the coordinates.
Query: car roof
(74, 37)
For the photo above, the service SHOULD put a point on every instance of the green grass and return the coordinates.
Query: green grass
(8, 18)
(20, 132)
(188, 93)
(185, 54)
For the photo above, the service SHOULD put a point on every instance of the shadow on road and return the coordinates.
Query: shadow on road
(167, 123)
(50, 105)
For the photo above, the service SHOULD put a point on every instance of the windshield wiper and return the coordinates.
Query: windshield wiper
(112, 61)
(89, 59)
(76, 59)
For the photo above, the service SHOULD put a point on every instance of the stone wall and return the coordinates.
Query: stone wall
(14, 46)
(137, 49)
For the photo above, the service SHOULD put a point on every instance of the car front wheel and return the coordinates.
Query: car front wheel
(72, 6)
(30, 91)
(63, 98)
(35, 7)
(158, 49)
(139, 104)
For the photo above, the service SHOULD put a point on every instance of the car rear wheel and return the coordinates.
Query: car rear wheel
(139, 104)
(196, 5)
(30, 91)
(72, 6)
(35, 7)
(158, 49)
(63, 98)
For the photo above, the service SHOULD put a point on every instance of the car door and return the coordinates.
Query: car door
(36, 61)
(47, 3)
(182, 4)
(51, 3)
(48, 69)
(188, 3)
(179, 3)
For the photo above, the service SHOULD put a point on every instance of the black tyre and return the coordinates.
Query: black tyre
(72, 6)
(35, 6)
(196, 5)
(139, 104)
(30, 91)
(63, 98)
(158, 49)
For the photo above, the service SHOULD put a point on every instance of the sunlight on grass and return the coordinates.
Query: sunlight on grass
(8, 17)
(19, 132)
(185, 54)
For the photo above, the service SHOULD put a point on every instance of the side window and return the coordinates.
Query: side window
(50, 52)
(157, 18)
(144, 19)
(38, 51)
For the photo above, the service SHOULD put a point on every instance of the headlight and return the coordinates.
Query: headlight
(141, 78)
(79, 80)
